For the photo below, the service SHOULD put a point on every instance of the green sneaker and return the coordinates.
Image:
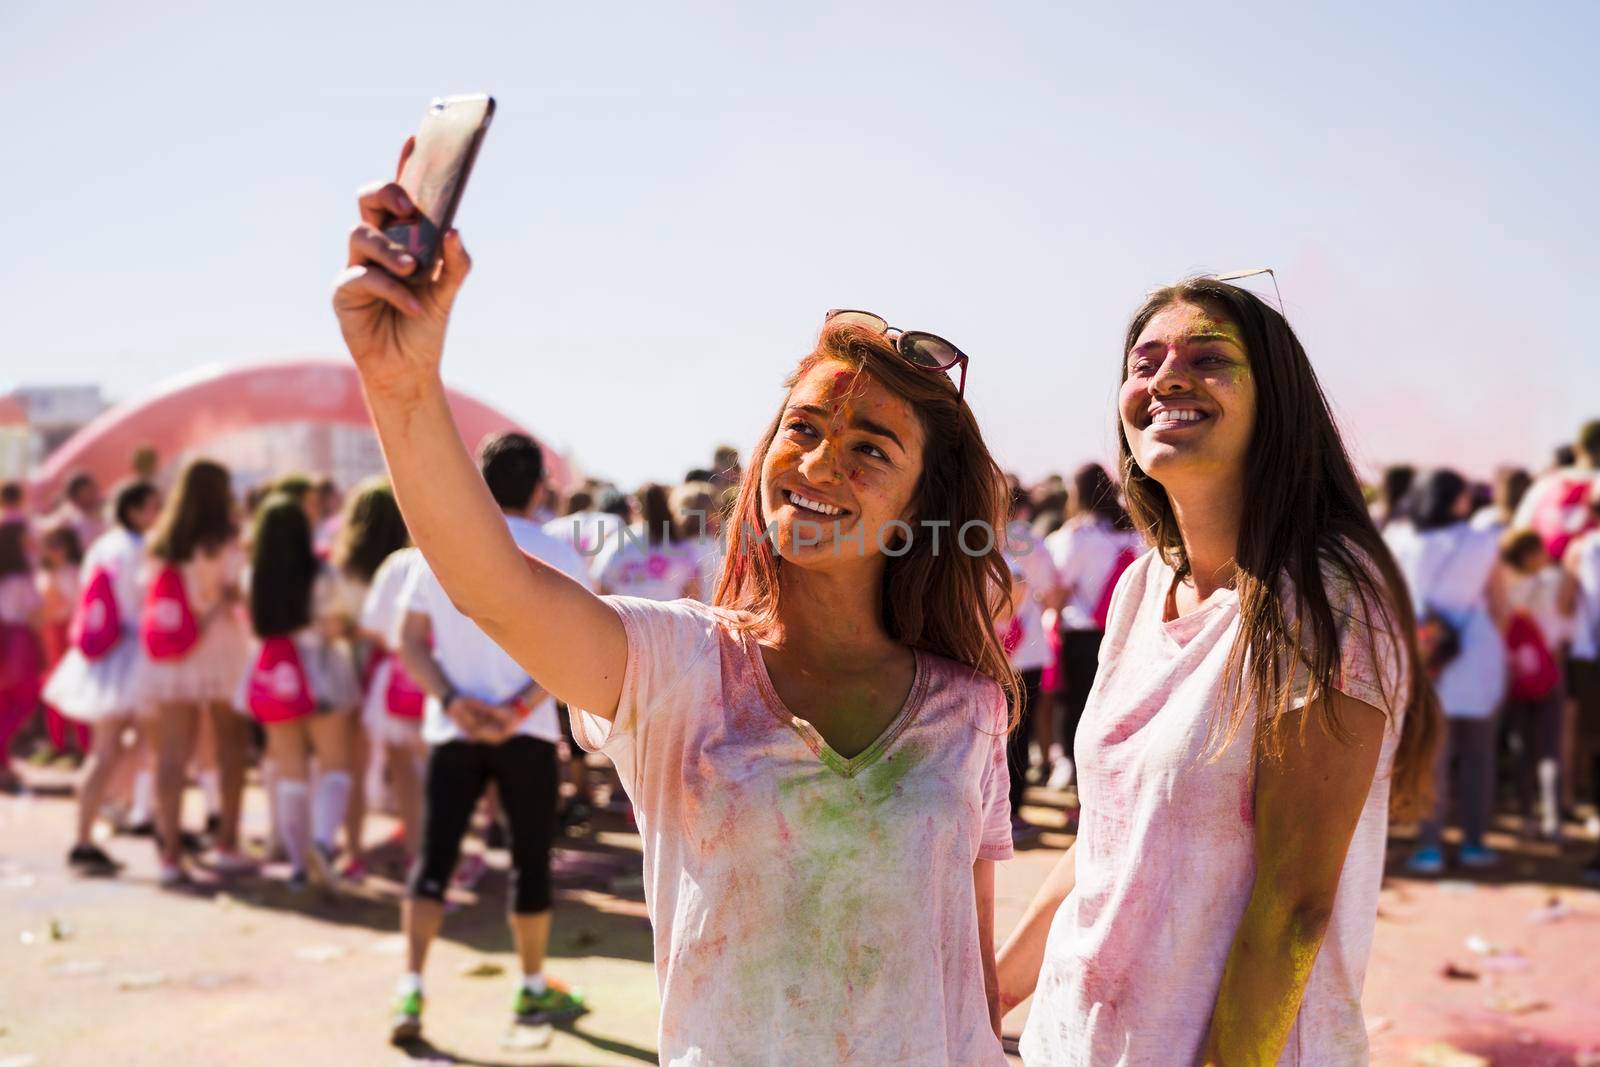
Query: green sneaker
(556, 1004)
(407, 1024)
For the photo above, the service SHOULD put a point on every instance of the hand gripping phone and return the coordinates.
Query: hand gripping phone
(435, 175)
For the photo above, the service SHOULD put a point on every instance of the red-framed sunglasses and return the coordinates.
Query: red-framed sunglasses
(918, 348)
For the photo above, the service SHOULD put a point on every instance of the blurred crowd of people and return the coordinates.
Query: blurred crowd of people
(141, 634)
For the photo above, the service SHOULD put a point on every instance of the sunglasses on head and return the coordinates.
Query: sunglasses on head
(925, 350)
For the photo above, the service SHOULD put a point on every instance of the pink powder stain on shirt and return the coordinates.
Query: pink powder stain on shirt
(1247, 806)
(783, 830)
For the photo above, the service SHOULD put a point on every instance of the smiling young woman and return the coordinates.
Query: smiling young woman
(1258, 707)
(817, 763)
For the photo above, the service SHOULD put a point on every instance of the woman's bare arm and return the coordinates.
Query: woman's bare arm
(1307, 805)
(1022, 957)
(983, 891)
(557, 630)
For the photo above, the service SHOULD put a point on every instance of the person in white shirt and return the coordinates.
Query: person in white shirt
(1510, 486)
(695, 509)
(1545, 596)
(1090, 552)
(486, 721)
(653, 561)
(99, 691)
(585, 528)
(1033, 578)
(1449, 568)
(1582, 562)
(1560, 505)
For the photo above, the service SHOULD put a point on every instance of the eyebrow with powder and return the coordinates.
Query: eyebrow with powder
(1192, 339)
(875, 428)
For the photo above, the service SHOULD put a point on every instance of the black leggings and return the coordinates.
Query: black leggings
(1017, 743)
(1080, 659)
(524, 770)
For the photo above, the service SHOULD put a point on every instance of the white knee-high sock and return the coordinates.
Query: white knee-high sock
(211, 786)
(327, 809)
(294, 819)
(144, 792)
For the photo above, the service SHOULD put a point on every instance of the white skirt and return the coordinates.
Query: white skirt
(383, 728)
(92, 689)
(208, 673)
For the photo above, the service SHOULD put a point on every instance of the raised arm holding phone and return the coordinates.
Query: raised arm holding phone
(817, 763)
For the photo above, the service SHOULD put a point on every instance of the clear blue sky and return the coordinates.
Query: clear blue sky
(673, 194)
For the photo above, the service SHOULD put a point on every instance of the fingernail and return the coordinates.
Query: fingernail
(405, 259)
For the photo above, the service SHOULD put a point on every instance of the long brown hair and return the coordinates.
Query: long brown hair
(198, 515)
(372, 529)
(1305, 521)
(944, 602)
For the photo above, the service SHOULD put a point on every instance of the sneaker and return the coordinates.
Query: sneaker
(144, 828)
(92, 860)
(406, 1025)
(1591, 873)
(556, 1004)
(1023, 832)
(1479, 857)
(353, 870)
(1060, 774)
(298, 882)
(231, 861)
(1426, 861)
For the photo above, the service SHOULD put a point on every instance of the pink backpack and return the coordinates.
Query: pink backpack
(97, 624)
(403, 697)
(1102, 609)
(1534, 673)
(278, 690)
(1564, 513)
(167, 624)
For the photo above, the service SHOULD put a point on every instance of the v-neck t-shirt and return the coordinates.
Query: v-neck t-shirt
(807, 908)
(1165, 855)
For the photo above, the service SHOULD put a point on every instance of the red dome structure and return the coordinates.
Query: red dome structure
(183, 414)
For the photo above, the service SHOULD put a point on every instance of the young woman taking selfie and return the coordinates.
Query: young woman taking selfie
(1257, 708)
(817, 762)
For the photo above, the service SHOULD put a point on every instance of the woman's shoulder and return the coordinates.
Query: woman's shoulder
(961, 688)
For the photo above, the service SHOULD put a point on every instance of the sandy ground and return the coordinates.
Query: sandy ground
(244, 972)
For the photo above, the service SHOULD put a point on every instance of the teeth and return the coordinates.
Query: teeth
(814, 505)
(1177, 415)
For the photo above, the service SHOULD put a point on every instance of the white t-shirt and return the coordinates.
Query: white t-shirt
(1586, 624)
(629, 566)
(383, 611)
(1085, 550)
(807, 908)
(1166, 844)
(472, 662)
(1448, 570)
(120, 553)
(1538, 595)
(1030, 563)
(586, 531)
